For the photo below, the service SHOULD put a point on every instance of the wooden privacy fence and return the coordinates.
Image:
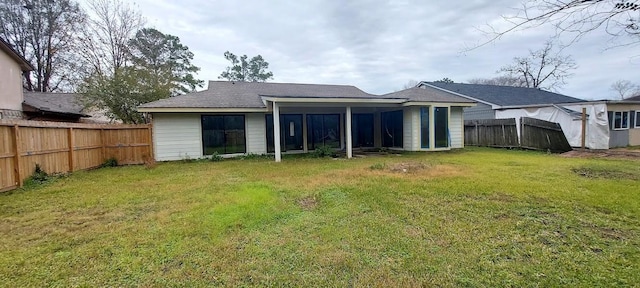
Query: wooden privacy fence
(491, 133)
(542, 135)
(66, 147)
(534, 134)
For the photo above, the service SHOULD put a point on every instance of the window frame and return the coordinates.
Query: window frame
(622, 125)
(637, 120)
(244, 128)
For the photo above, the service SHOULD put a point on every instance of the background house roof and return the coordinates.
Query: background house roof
(427, 95)
(506, 95)
(8, 49)
(59, 103)
(226, 94)
(634, 98)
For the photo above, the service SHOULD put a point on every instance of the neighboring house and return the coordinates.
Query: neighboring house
(12, 67)
(609, 123)
(59, 107)
(236, 118)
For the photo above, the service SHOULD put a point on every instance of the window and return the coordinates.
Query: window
(424, 126)
(637, 124)
(223, 134)
(323, 130)
(441, 123)
(392, 129)
(621, 120)
(362, 130)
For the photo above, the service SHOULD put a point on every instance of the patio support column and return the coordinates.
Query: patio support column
(348, 133)
(432, 127)
(276, 131)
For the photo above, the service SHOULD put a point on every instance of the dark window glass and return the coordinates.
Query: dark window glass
(290, 132)
(223, 134)
(637, 119)
(621, 120)
(391, 129)
(362, 130)
(424, 127)
(323, 130)
(441, 123)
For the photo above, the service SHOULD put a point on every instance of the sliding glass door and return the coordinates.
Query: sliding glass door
(362, 130)
(323, 130)
(392, 129)
(290, 132)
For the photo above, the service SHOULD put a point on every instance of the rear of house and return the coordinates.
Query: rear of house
(237, 118)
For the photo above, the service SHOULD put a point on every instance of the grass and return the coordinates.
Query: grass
(478, 217)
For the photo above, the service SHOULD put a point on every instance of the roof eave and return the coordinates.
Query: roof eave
(22, 62)
(200, 110)
(493, 106)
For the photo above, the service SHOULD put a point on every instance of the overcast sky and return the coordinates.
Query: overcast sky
(376, 47)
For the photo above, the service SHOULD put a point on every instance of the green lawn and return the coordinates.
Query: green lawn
(478, 217)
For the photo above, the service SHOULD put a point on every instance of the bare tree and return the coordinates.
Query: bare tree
(410, 84)
(500, 81)
(542, 68)
(618, 18)
(44, 32)
(625, 89)
(104, 49)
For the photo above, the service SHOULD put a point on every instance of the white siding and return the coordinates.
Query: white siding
(411, 128)
(177, 136)
(256, 133)
(456, 128)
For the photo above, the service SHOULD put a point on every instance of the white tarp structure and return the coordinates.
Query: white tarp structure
(570, 121)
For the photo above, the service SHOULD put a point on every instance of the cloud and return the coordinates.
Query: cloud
(375, 46)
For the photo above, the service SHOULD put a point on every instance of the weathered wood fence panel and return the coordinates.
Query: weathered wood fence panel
(534, 134)
(66, 147)
(491, 133)
(543, 135)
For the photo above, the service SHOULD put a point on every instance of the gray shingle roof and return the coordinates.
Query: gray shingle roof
(65, 103)
(634, 98)
(506, 95)
(225, 94)
(427, 94)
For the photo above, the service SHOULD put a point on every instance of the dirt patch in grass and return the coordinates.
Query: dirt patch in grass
(605, 173)
(308, 203)
(614, 154)
(407, 167)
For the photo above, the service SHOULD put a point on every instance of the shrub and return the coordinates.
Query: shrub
(111, 162)
(215, 157)
(39, 176)
(323, 151)
(378, 166)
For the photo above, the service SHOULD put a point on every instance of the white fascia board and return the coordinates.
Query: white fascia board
(493, 106)
(200, 110)
(439, 104)
(333, 100)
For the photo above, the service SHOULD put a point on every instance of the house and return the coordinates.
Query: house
(609, 123)
(59, 107)
(12, 67)
(236, 118)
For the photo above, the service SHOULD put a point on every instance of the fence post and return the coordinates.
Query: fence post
(16, 146)
(71, 149)
(104, 148)
(151, 155)
(477, 135)
(584, 127)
